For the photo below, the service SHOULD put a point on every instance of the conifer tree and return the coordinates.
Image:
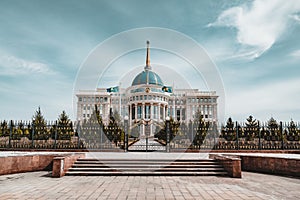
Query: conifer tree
(251, 129)
(65, 126)
(228, 132)
(39, 125)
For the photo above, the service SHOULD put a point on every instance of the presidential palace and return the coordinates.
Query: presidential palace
(148, 101)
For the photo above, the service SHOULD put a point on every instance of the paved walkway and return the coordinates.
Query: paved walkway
(38, 185)
(146, 155)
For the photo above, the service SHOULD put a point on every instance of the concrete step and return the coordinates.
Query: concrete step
(168, 167)
(146, 163)
(143, 173)
(134, 165)
(147, 169)
(145, 159)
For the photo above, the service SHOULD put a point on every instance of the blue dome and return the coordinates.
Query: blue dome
(147, 77)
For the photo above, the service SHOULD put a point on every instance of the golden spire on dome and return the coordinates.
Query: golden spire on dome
(148, 56)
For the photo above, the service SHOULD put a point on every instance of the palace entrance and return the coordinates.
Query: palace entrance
(146, 141)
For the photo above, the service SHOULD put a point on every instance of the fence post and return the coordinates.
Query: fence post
(55, 134)
(101, 136)
(10, 133)
(281, 133)
(168, 133)
(78, 133)
(192, 127)
(237, 135)
(32, 136)
(259, 137)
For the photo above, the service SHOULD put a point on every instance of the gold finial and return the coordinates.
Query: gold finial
(148, 55)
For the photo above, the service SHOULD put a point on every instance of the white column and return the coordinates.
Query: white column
(164, 112)
(135, 111)
(215, 113)
(143, 111)
(167, 110)
(158, 112)
(174, 109)
(130, 114)
(151, 111)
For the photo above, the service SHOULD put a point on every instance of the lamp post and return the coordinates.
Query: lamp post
(126, 133)
(168, 133)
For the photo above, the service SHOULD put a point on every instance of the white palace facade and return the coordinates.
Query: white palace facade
(147, 103)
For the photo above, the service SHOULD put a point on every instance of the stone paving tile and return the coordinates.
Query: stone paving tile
(37, 185)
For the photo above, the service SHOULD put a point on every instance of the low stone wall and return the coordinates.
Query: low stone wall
(63, 163)
(271, 165)
(232, 164)
(26, 163)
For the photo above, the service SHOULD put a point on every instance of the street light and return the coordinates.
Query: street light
(126, 133)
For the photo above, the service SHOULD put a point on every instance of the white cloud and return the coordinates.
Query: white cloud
(259, 25)
(296, 17)
(296, 54)
(11, 65)
(265, 100)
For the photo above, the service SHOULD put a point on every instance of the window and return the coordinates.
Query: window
(83, 115)
(183, 114)
(133, 112)
(139, 112)
(101, 109)
(155, 112)
(178, 115)
(161, 112)
(147, 112)
(97, 99)
(80, 98)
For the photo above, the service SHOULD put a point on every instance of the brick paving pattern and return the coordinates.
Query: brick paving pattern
(38, 185)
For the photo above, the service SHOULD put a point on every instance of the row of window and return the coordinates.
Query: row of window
(202, 100)
(93, 99)
(147, 97)
(147, 112)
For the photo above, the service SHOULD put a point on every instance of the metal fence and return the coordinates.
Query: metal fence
(194, 136)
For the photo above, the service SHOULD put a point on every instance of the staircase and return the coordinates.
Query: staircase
(140, 167)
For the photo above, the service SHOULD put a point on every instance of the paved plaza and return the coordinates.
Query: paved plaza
(39, 185)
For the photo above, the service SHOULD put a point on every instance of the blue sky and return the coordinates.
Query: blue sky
(255, 45)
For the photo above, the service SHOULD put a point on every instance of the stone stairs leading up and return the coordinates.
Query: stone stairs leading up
(110, 167)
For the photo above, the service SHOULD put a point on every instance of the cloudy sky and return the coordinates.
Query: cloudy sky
(255, 44)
